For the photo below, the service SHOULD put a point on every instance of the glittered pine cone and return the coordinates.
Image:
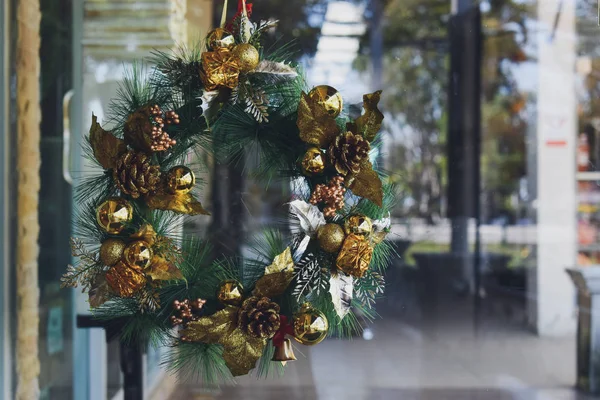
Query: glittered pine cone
(135, 176)
(347, 152)
(259, 317)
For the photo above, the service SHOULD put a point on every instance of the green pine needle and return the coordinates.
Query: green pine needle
(200, 362)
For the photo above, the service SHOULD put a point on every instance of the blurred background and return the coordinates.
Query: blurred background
(491, 132)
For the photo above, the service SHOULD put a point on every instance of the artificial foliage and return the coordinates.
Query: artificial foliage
(224, 317)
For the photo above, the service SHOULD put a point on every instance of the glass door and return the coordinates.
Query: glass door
(55, 208)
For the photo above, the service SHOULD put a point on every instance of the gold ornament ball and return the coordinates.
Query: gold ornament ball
(329, 98)
(310, 325)
(359, 225)
(138, 254)
(230, 292)
(313, 162)
(180, 180)
(113, 214)
(219, 37)
(111, 251)
(331, 237)
(246, 56)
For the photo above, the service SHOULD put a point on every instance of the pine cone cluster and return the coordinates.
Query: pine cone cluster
(135, 176)
(347, 152)
(332, 195)
(259, 317)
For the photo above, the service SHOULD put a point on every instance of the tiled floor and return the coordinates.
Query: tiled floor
(445, 356)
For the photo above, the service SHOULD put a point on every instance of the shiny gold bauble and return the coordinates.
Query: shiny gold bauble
(310, 325)
(359, 225)
(329, 98)
(313, 162)
(111, 251)
(138, 254)
(246, 56)
(219, 37)
(113, 214)
(331, 237)
(180, 180)
(230, 293)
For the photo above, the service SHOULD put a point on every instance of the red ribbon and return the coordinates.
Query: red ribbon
(285, 328)
(239, 13)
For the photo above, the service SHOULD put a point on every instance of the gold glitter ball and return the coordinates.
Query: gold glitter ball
(230, 292)
(329, 98)
(113, 214)
(331, 237)
(138, 254)
(359, 225)
(111, 251)
(310, 325)
(246, 56)
(313, 161)
(180, 180)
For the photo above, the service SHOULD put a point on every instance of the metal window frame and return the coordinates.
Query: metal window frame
(5, 274)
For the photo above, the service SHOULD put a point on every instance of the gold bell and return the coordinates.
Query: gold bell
(285, 352)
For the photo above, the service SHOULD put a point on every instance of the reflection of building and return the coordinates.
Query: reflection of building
(337, 49)
(86, 46)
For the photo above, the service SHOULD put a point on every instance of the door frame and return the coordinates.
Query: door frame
(5, 227)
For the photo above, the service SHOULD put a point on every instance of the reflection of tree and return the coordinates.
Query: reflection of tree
(415, 79)
(504, 124)
(408, 72)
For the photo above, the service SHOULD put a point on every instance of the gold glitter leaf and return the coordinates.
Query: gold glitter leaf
(99, 292)
(369, 123)
(366, 183)
(183, 203)
(315, 125)
(277, 276)
(106, 147)
(145, 233)
(162, 270)
(378, 237)
(240, 351)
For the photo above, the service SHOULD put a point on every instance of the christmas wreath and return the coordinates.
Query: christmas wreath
(223, 317)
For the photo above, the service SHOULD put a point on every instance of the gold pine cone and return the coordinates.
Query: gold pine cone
(347, 152)
(247, 56)
(259, 317)
(135, 176)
